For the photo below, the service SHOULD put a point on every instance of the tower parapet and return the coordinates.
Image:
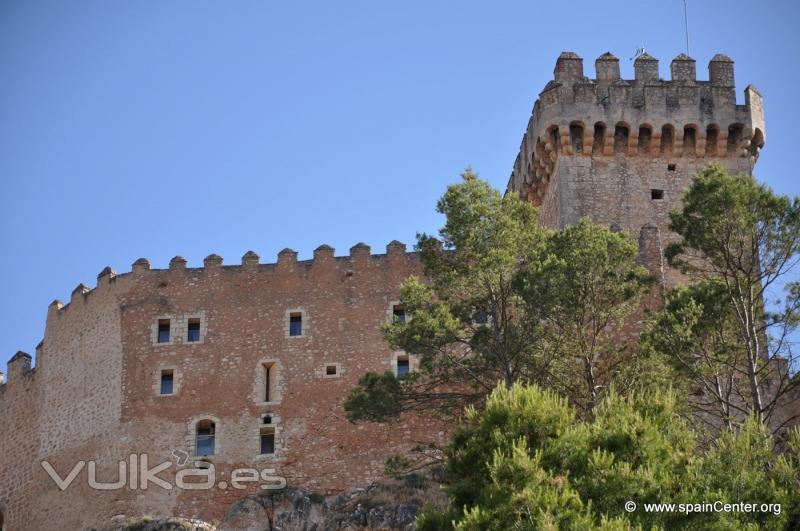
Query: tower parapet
(622, 151)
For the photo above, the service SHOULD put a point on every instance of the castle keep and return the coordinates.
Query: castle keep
(623, 151)
(247, 365)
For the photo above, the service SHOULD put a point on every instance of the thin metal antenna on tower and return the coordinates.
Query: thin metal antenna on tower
(686, 25)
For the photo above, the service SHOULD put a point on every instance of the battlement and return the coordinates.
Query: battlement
(643, 117)
(287, 260)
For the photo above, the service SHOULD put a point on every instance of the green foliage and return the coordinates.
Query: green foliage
(697, 332)
(505, 299)
(730, 220)
(396, 465)
(584, 286)
(375, 398)
(739, 240)
(525, 462)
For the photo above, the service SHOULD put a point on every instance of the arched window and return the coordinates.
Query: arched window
(204, 438)
(645, 137)
(756, 143)
(712, 139)
(621, 133)
(667, 134)
(689, 140)
(599, 138)
(576, 136)
(734, 137)
(555, 138)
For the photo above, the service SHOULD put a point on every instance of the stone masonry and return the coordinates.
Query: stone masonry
(622, 152)
(618, 151)
(95, 393)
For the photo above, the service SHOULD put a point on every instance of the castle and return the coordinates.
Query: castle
(231, 367)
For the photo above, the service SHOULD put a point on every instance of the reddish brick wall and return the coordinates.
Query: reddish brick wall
(95, 393)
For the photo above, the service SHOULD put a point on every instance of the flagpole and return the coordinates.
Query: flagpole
(686, 25)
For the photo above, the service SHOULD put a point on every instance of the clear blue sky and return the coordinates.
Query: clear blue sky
(153, 129)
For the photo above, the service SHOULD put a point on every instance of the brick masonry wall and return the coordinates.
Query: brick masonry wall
(95, 394)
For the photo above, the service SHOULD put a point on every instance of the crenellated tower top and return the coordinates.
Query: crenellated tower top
(643, 117)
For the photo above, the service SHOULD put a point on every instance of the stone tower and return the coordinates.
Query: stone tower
(623, 151)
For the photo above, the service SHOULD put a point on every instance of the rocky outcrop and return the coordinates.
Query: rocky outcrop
(163, 524)
(387, 505)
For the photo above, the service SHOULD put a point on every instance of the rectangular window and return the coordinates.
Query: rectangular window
(656, 194)
(296, 324)
(270, 374)
(163, 330)
(167, 382)
(193, 331)
(402, 365)
(267, 442)
(204, 439)
(398, 314)
(330, 370)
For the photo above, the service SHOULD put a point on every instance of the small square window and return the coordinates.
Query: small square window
(402, 365)
(296, 324)
(656, 194)
(671, 167)
(163, 330)
(267, 442)
(193, 331)
(398, 314)
(167, 382)
(268, 419)
(330, 370)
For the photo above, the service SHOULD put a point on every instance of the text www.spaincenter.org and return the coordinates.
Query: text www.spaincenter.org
(705, 507)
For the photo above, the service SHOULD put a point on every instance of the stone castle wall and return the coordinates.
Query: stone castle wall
(95, 393)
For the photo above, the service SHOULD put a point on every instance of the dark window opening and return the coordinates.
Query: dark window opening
(193, 334)
(267, 442)
(576, 137)
(599, 138)
(645, 136)
(621, 139)
(398, 314)
(756, 143)
(268, 384)
(666, 139)
(712, 139)
(734, 137)
(268, 419)
(656, 194)
(671, 167)
(163, 330)
(296, 324)
(330, 370)
(204, 438)
(689, 140)
(555, 138)
(167, 382)
(402, 366)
